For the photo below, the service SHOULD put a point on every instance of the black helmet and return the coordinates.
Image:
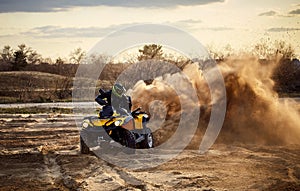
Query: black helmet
(118, 90)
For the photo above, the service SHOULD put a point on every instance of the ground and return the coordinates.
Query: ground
(41, 152)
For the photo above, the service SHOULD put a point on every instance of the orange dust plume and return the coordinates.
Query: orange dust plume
(254, 113)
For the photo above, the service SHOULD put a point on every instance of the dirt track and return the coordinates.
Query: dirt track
(41, 152)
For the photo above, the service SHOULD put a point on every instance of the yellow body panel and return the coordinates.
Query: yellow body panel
(138, 122)
(101, 122)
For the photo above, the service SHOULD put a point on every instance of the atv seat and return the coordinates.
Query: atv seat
(104, 117)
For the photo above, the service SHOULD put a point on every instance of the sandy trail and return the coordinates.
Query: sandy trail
(41, 152)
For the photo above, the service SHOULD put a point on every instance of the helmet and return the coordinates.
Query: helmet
(118, 90)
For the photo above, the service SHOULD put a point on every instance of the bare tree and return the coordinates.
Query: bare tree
(152, 51)
(286, 51)
(47, 60)
(77, 56)
(33, 57)
(7, 54)
(62, 89)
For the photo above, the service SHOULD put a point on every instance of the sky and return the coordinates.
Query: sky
(54, 28)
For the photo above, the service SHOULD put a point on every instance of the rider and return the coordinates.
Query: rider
(114, 99)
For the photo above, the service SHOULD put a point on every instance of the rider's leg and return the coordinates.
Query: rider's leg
(107, 111)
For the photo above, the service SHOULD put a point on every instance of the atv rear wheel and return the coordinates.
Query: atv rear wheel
(84, 149)
(148, 141)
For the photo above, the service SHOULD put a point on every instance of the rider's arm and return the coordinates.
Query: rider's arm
(101, 99)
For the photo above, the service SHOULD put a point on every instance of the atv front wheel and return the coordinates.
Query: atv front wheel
(129, 139)
(129, 142)
(84, 149)
(148, 141)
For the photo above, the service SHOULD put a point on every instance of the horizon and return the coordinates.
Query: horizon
(56, 29)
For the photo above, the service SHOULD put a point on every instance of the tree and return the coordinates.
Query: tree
(272, 50)
(7, 54)
(19, 60)
(25, 55)
(59, 60)
(221, 53)
(77, 56)
(47, 60)
(286, 51)
(33, 57)
(286, 75)
(151, 51)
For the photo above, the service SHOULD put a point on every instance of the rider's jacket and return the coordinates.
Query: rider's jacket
(107, 98)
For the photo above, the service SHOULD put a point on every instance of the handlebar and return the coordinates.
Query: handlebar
(101, 91)
(123, 111)
(136, 110)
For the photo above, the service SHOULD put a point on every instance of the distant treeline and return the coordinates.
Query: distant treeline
(110, 71)
(286, 73)
(286, 76)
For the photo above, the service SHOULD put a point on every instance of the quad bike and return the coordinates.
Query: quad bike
(123, 130)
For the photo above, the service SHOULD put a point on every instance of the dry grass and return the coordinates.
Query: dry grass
(18, 80)
(31, 86)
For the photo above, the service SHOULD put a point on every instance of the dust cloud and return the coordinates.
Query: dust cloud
(254, 112)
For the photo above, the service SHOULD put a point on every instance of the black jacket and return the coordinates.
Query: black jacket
(106, 98)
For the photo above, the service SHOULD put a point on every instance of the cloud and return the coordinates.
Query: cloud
(217, 28)
(61, 5)
(192, 24)
(189, 21)
(189, 24)
(282, 29)
(7, 36)
(71, 32)
(292, 13)
(268, 13)
(295, 12)
(51, 31)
